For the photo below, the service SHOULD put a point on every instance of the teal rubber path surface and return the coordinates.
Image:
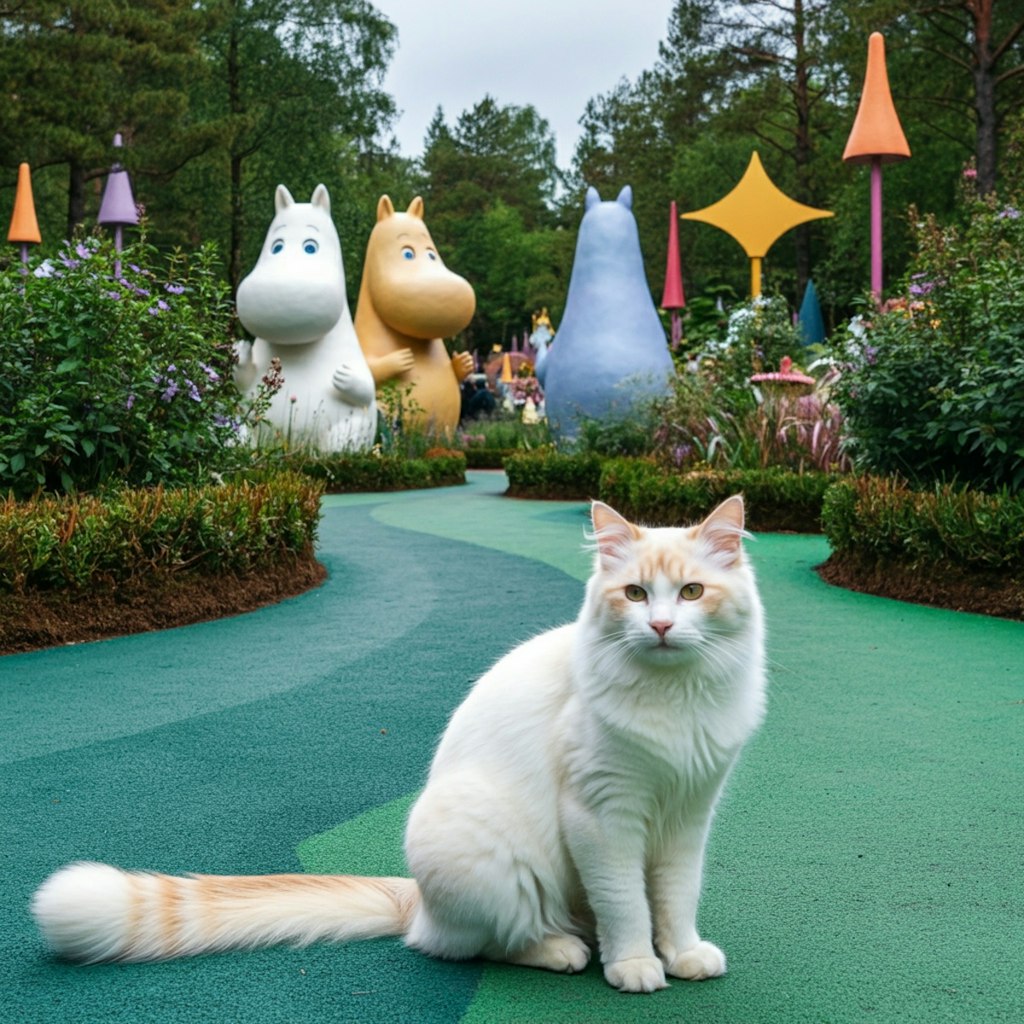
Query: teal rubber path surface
(867, 861)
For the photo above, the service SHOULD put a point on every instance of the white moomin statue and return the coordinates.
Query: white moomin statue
(294, 303)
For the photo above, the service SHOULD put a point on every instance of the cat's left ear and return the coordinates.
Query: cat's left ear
(613, 533)
(723, 532)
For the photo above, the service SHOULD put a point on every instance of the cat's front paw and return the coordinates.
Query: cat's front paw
(639, 974)
(705, 960)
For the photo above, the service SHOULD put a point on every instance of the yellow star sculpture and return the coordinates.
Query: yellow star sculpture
(756, 213)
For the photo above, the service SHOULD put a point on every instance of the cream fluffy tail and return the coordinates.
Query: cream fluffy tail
(93, 912)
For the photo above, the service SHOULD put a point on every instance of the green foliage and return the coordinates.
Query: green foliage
(776, 499)
(109, 371)
(703, 423)
(549, 474)
(487, 442)
(344, 473)
(934, 389)
(882, 521)
(76, 542)
(759, 334)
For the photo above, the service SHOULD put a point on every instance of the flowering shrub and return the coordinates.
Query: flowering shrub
(701, 424)
(110, 372)
(758, 335)
(934, 382)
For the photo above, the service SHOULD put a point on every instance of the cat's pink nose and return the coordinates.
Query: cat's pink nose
(661, 627)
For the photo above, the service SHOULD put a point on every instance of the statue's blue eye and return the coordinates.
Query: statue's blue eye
(309, 246)
(408, 252)
(277, 247)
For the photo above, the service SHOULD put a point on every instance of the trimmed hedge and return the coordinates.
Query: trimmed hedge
(346, 473)
(76, 542)
(487, 458)
(551, 475)
(775, 499)
(882, 520)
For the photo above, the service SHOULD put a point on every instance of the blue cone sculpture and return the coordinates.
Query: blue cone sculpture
(610, 352)
(812, 323)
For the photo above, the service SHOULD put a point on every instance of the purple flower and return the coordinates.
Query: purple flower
(135, 268)
(174, 289)
(113, 295)
(193, 391)
(170, 391)
(1010, 213)
(83, 251)
(69, 263)
(923, 288)
(870, 354)
(210, 372)
(129, 402)
(45, 269)
(153, 311)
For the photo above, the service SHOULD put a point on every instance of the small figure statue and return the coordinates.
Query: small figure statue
(408, 302)
(294, 302)
(542, 334)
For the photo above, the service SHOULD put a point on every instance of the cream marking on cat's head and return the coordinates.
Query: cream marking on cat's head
(667, 593)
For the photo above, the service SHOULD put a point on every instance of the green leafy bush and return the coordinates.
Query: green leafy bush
(550, 474)
(775, 499)
(77, 542)
(882, 520)
(934, 386)
(346, 472)
(109, 371)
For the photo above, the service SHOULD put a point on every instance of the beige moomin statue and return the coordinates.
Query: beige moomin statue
(408, 302)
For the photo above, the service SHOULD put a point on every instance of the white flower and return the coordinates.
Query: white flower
(45, 269)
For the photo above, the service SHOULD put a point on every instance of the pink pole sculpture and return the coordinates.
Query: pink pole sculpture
(876, 138)
(673, 298)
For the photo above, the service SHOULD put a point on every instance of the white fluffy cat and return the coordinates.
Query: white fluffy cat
(567, 806)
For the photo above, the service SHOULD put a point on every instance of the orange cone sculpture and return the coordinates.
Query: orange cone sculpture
(24, 228)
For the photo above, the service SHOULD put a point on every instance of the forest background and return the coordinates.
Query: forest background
(220, 100)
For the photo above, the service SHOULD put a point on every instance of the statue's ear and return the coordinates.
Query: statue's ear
(626, 197)
(593, 198)
(385, 208)
(321, 198)
(416, 208)
(282, 199)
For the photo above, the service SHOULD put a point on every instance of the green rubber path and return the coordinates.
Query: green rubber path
(867, 862)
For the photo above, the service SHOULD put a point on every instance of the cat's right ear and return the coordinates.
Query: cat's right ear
(612, 532)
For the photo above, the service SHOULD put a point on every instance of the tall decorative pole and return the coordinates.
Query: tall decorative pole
(117, 207)
(756, 213)
(673, 299)
(24, 230)
(876, 138)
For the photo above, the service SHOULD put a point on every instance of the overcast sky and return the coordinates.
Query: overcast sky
(553, 54)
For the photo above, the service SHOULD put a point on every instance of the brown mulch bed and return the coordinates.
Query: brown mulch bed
(955, 588)
(32, 621)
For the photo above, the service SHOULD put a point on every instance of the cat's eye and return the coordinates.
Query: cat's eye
(635, 593)
(691, 591)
